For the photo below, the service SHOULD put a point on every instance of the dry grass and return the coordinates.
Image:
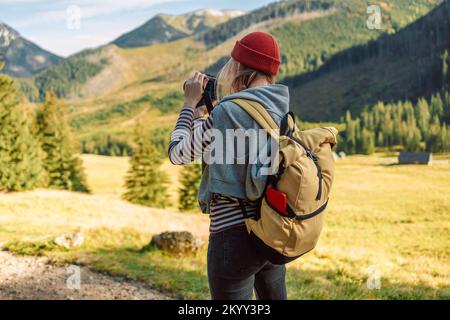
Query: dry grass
(388, 217)
(106, 176)
(46, 211)
(384, 217)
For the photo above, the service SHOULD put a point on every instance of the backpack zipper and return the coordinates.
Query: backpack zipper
(319, 172)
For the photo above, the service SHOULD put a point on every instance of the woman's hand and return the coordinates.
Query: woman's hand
(193, 89)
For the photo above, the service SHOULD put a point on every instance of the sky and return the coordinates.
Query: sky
(54, 25)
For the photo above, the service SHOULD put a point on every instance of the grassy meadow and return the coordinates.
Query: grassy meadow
(383, 219)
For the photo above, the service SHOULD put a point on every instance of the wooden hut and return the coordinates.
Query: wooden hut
(415, 158)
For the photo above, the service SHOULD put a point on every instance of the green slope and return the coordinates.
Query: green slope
(118, 87)
(405, 65)
(164, 27)
(156, 30)
(67, 77)
(311, 32)
(273, 11)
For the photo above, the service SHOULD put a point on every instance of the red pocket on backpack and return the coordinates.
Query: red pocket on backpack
(277, 200)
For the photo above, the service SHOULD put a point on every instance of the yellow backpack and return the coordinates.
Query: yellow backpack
(305, 176)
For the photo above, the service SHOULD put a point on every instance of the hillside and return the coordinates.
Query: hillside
(337, 23)
(98, 72)
(153, 72)
(110, 89)
(404, 65)
(71, 77)
(22, 57)
(164, 27)
(311, 32)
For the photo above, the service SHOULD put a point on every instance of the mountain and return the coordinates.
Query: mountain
(109, 89)
(170, 61)
(164, 28)
(297, 24)
(311, 32)
(22, 57)
(271, 12)
(405, 65)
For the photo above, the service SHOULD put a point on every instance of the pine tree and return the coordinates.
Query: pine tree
(409, 113)
(388, 125)
(433, 143)
(190, 181)
(446, 107)
(63, 166)
(413, 139)
(367, 141)
(397, 134)
(436, 105)
(380, 139)
(444, 138)
(423, 116)
(146, 184)
(20, 154)
(350, 134)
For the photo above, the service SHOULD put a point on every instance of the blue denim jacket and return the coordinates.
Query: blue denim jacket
(245, 180)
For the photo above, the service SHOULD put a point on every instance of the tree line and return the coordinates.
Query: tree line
(412, 127)
(227, 30)
(36, 145)
(392, 66)
(37, 150)
(121, 143)
(402, 125)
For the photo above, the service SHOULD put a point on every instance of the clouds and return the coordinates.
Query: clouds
(41, 12)
(46, 22)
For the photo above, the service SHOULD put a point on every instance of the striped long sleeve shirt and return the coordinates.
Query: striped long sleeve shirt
(189, 142)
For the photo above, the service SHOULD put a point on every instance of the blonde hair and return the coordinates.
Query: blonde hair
(234, 77)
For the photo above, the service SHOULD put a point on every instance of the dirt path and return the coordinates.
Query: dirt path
(34, 278)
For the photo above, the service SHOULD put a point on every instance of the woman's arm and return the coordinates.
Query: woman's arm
(187, 141)
(189, 138)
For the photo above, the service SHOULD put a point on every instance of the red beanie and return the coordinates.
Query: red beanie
(259, 51)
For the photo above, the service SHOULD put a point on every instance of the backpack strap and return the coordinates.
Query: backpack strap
(260, 115)
(263, 118)
(287, 125)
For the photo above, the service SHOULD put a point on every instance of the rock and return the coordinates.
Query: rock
(70, 240)
(178, 242)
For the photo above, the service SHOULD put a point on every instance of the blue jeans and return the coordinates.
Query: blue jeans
(235, 268)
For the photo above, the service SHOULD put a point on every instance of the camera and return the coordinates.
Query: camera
(209, 93)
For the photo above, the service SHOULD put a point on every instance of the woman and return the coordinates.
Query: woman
(230, 192)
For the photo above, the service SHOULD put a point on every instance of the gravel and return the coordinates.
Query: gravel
(33, 278)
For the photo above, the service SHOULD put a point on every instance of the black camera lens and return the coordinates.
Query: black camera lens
(209, 94)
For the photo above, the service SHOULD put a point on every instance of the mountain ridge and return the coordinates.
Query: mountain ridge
(22, 57)
(164, 27)
(109, 89)
(404, 65)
